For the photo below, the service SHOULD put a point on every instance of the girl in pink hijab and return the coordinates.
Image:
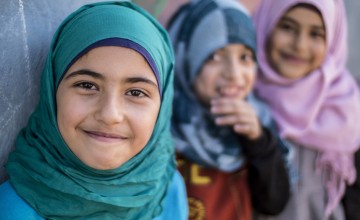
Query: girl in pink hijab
(302, 53)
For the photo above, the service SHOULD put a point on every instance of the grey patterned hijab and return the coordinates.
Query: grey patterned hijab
(197, 30)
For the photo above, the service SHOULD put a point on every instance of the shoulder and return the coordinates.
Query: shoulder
(175, 203)
(12, 206)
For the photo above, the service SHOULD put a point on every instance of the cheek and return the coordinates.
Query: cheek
(206, 79)
(70, 112)
(64, 119)
(149, 121)
(319, 52)
(250, 78)
(143, 121)
(61, 108)
(279, 40)
(202, 86)
(276, 44)
(271, 49)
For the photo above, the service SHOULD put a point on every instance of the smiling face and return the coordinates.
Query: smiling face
(107, 106)
(229, 72)
(297, 44)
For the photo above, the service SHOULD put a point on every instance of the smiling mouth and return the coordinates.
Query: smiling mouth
(230, 91)
(105, 137)
(293, 59)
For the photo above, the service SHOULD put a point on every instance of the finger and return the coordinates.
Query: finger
(241, 117)
(242, 129)
(233, 119)
(229, 107)
(227, 101)
(251, 131)
(242, 125)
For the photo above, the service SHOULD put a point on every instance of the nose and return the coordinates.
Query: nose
(300, 42)
(110, 109)
(234, 71)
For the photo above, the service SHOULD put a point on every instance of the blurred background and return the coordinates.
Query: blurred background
(26, 30)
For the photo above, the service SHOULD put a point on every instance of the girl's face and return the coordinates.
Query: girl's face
(297, 44)
(229, 72)
(107, 106)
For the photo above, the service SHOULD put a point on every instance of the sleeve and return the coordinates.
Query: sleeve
(352, 195)
(268, 176)
(175, 205)
(12, 206)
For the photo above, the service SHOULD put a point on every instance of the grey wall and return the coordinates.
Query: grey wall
(26, 29)
(353, 10)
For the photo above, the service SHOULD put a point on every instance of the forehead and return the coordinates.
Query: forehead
(114, 62)
(304, 15)
(234, 47)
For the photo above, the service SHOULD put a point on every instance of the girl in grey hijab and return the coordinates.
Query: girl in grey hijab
(222, 132)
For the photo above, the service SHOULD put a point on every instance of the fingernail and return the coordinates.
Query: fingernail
(213, 109)
(217, 121)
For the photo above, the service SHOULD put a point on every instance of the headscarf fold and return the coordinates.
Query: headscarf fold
(321, 110)
(197, 31)
(44, 171)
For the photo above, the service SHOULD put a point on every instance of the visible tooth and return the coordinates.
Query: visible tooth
(229, 90)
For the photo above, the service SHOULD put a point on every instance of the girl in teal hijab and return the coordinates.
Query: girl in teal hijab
(98, 145)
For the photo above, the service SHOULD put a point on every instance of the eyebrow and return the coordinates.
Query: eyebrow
(141, 79)
(289, 19)
(224, 49)
(96, 75)
(86, 73)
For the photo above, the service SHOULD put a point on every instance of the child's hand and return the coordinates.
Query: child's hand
(238, 114)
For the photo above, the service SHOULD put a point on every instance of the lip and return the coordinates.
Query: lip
(295, 60)
(230, 90)
(105, 137)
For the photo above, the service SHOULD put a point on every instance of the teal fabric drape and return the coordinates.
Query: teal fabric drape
(44, 171)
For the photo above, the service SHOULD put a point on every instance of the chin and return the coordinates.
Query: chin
(106, 165)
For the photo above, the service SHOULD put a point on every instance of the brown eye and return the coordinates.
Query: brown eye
(86, 85)
(136, 93)
(215, 57)
(286, 27)
(317, 34)
(246, 57)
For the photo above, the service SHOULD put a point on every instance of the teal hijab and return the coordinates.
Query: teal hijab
(44, 171)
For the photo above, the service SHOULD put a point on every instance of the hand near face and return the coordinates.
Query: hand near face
(238, 114)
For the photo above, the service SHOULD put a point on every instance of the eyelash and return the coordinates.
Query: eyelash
(138, 92)
(91, 86)
(287, 27)
(317, 34)
(290, 28)
(247, 57)
(214, 57)
(86, 85)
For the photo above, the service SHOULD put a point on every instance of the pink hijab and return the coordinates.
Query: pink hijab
(322, 110)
